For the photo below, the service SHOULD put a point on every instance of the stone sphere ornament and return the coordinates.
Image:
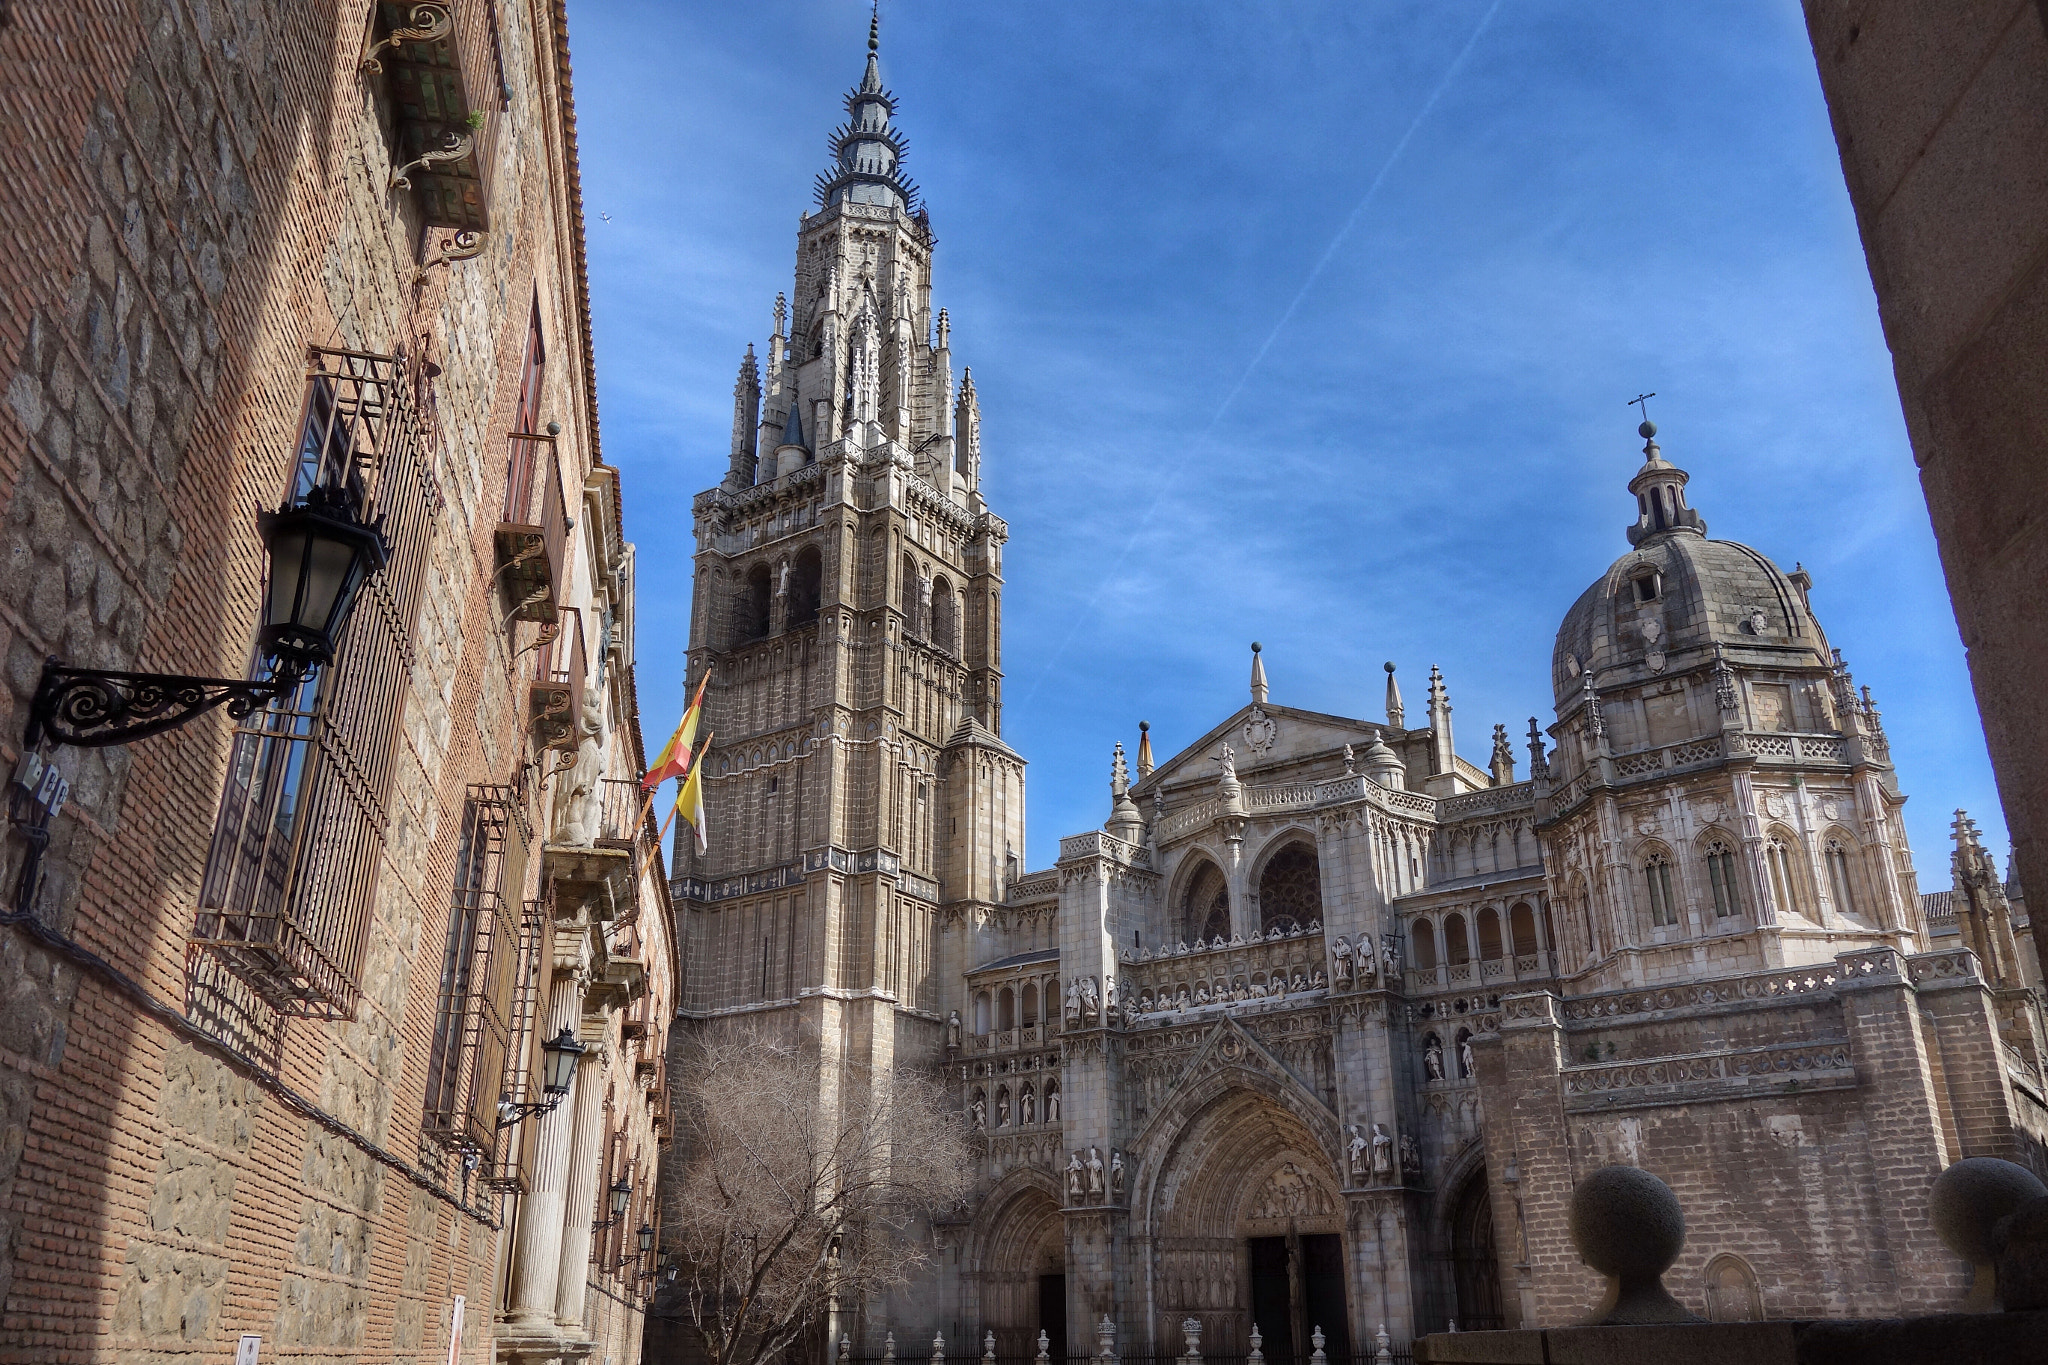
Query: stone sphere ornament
(1627, 1225)
(1967, 1202)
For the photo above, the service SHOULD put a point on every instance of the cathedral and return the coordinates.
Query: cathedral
(1316, 1033)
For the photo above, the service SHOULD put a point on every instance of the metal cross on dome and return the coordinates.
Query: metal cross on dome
(1642, 400)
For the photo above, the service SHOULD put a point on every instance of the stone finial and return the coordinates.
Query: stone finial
(1503, 758)
(1144, 749)
(1539, 761)
(1967, 1204)
(1627, 1225)
(1191, 1329)
(938, 1348)
(845, 1346)
(889, 1348)
(1105, 1340)
(1257, 1341)
(988, 1346)
(1394, 710)
(1382, 1345)
(1316, 1338)
(1258, 676)
(1044, 1347)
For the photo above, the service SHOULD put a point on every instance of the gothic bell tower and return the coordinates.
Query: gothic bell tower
(847, 605)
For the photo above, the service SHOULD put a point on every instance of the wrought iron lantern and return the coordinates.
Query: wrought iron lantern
(622, 1193)
(320, 553)
(558, 1069)
(645, 1236)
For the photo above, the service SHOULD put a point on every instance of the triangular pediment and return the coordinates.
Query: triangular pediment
(1231, 1047)
(1295, 738)
(1231, 1056)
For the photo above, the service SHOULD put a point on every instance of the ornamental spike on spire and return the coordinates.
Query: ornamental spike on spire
(1259, 690)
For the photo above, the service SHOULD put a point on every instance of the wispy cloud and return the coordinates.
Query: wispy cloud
(1312, 323)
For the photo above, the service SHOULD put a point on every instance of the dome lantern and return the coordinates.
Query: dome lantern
(1659, 487)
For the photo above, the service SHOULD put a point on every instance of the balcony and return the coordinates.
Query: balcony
(554, 684)
(432, 57)
(531, 540)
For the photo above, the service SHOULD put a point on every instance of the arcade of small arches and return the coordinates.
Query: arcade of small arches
(1018, 1004)
(1446, 943)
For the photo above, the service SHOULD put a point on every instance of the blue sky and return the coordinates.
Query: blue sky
(1310, 323)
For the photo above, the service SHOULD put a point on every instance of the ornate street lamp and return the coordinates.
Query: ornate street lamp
(558, 1069)
(320, 552)
(622, 1191)
(644, 1237)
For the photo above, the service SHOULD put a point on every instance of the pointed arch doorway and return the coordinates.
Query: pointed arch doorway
(1475, 1263)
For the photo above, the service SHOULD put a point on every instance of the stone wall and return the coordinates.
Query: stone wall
(194, 193)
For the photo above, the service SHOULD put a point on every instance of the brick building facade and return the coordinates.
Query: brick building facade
(1321, 1027)
(268, 977)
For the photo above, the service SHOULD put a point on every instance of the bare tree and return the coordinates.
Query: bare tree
(794, 1186)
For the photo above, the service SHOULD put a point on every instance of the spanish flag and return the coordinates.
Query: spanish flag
(690, 800)
(674, 758)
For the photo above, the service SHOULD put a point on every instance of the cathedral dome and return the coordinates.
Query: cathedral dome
(1678, 595)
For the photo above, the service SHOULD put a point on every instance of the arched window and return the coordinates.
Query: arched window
(1784, 874)
(1522, 928)
(1006, 1010)
(944, 634)
(1030, 1004)
(1291, 889)
(1206, 912)
(1489, 935)
(1732, 1291)
(1657, 873)
(751, 618)
(1723, 877)
(981, 1014)
(1837, 859)
(1457, 947)
(806, 585)
(907, 594)
(1422, 943)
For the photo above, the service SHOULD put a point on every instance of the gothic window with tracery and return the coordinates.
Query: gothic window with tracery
(1838, 877)
(1784, 876)
(1722, 876)
(1207, 912)
(1663, 908)
(1291, 889)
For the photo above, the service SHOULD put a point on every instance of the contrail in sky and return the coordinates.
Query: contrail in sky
(1322, 263)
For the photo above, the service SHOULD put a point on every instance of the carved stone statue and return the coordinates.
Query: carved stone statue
(1091, 1001)
(1116, 1174)
(1052, 1106)
(1411, 1160)
(1390, 959)
(1382, 1151)
(1095, 1173)
(1349, 759)
(1027, 1107)
(1002, 1109)
(978, 1111)
(1076, 1179)
(1358, 1148)
(1228, 758)
(1341, 951)
(1433, 1059)
(953, 1030)
(782, 586)
(1073, 1003)
(1465, 1057)
(579, 792)
(1368, 961)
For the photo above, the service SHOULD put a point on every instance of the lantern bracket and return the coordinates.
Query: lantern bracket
(95, 707)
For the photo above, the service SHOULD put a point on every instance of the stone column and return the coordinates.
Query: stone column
(585, 1149)
(538, 1246)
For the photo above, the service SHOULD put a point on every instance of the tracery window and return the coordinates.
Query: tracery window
(1663, 908)
(1784, 877)
(1291, 889)
(1723, 877)
(1837, 859)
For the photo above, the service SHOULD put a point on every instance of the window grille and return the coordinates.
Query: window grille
(480, 963)
(1663, 909)
(1727, 887)
(521, 1083)
(285, 898)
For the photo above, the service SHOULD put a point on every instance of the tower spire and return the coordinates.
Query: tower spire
(1395, 711)
(1259, 689)
(867, 151)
